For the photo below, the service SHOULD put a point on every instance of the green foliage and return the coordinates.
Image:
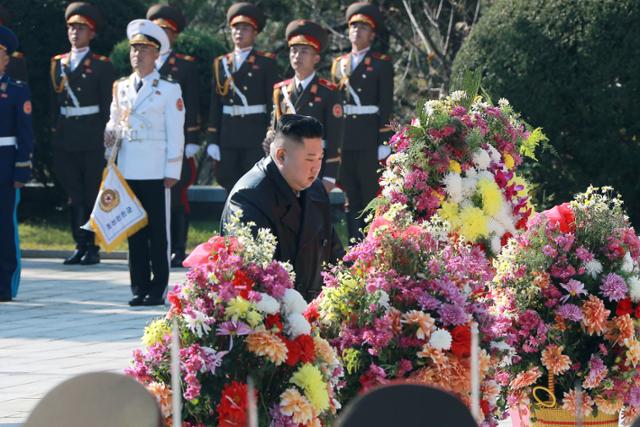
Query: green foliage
(571, 67)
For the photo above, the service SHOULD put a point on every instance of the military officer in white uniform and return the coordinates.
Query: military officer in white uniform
(147, 117)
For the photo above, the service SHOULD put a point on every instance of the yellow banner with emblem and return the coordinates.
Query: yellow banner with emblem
(117, 212)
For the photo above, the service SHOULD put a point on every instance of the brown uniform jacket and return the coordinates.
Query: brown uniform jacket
(255, 80)
(323, 102)
(182, 69)
(372, 82)
(91, 83)
(17, 68)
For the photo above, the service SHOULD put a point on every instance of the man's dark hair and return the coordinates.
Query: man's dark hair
(295, 127)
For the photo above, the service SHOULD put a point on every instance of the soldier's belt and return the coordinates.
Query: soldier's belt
(7, 141)
(79, 111)
(354, 110)
(242, 110)
(143, 134)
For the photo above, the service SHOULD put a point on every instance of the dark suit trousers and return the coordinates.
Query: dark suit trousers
(8, 231)
(235, 162)
(358, 177)
(148, 247)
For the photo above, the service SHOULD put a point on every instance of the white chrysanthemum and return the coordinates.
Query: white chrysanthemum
(440, 339)
(505, 218)
(293, 302)
(453, 186)
(634, 288)
(383, 299)
(297, 325)
(485, 174)
(458, 95)
(268, 304)
(469, 185)
(627, 263)
(496, 227)
(503, 102)
(197, 322)
(494, 154)
(430, 107)
(495, 244)
(593, 268)
(481, 159)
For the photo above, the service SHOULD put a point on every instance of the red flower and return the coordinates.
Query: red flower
(562, 215)
(243, 283)
(176, 304)
(299, 350)
(293, 352)
(311, 313)
(484, 405)
(624, 307)
(273, 320)
(505, 238)
(232, 409)
(461, 343)
(638, 311)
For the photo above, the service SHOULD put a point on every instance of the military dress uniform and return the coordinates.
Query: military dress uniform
(80, 108)
(150, 125)
(17, 68)
(366, 81)
(182, 69)
(16, 146)
(315, 97)
(241, 102)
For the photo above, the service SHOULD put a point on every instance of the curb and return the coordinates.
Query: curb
(62, 254)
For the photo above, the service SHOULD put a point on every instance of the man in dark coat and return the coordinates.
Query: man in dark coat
(183, 70)
(81, 81)
(282, 193)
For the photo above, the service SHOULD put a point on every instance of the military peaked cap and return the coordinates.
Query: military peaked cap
(167, 17)
(303, 31)
(247, 13)
(365, 12)
(8, 40)
(83, 13)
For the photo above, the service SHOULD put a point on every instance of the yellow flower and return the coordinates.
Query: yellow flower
(268, 345)
(155, 332)
(309, 379)
(491, 196)
(254, 318)
(449, 212)
(237, 308)
(455, 166)
(473, 223)
(508, 161)
(295, 405)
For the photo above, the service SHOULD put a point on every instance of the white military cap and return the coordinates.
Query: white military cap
(143, 31)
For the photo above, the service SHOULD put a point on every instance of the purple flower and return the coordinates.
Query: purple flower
(453, 315)
(584, 254)
(569, 312)
(614, 287)
(231, 327)
(549, 251)
(575, 289)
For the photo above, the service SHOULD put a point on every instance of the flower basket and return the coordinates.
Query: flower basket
(562, 417)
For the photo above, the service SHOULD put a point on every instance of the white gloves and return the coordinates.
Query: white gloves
(213, 150)
(383, 152)
(191, 150)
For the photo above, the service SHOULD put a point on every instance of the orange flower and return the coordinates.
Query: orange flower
(553, 359)
(594, 315)
(569, 403)
(525, 379)
(633, 352)
(295, 405)
(620, 329)
(608, 405)
(541, 279)
(396, 320)
(324, 351)
(424, 321)
(162, 394)
(629, 415)
(436, 355)
(268, 345)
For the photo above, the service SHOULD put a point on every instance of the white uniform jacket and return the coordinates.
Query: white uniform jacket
(150, 123)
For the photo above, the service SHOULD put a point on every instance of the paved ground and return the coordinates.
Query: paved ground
(66, 320)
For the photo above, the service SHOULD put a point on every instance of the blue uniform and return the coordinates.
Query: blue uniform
(16, 147)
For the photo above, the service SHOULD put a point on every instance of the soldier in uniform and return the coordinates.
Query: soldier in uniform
(366, 80)
(81, 83)
(147, 116)
(241, 98)
(16, 145)
(182, 69)
(17, 68)
(309, 95)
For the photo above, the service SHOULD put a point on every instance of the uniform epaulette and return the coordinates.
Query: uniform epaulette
(185, 57)
(169, 80)
(59, 56)
(338, 58)
(327, 84)
(101, 58)
(381, 56)
(266, 54)
(17, 54)
(18, 83)
(282, 83)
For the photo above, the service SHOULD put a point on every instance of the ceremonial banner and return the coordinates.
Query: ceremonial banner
(117, 212)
